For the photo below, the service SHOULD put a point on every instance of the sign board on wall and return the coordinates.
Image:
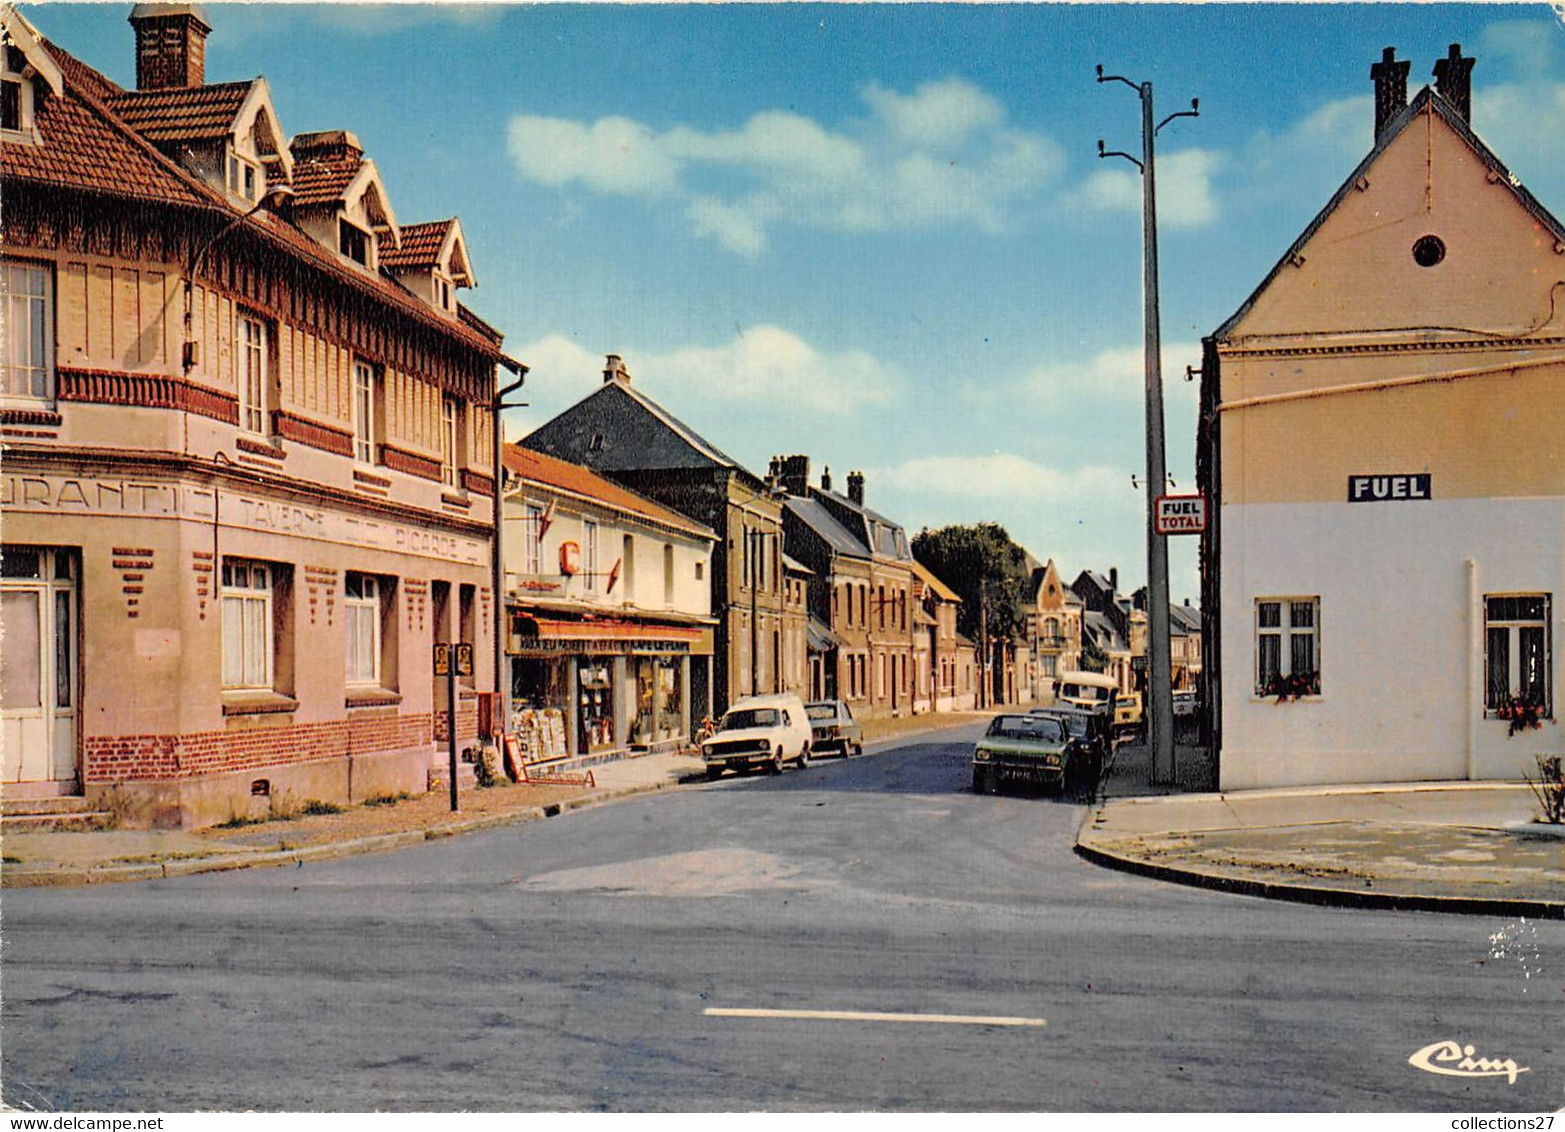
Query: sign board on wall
(1181, 514)
(1389, 488)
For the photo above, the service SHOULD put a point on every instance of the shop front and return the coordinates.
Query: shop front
(600, 687)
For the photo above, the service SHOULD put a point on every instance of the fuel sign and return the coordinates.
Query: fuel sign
(1181, 514)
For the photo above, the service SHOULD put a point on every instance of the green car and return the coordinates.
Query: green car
(1028, 747)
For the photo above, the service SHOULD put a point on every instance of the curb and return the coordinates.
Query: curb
(1324, 897)
(69, 877)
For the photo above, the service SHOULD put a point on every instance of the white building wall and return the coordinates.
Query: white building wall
(1401, 637)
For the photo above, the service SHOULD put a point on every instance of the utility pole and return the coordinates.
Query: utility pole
(1160, 674)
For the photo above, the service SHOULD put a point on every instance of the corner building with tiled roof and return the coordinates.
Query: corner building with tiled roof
(248, 461)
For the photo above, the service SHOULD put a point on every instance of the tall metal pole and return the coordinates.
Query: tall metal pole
(502, 612)
(1160, 665)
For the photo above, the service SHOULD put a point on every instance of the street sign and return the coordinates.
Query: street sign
(442, 660)
(1181, 514)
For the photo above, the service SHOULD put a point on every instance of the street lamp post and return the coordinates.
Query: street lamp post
(1160, 674)
(273, 196)
(502, 611)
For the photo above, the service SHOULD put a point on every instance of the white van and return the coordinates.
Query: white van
(1091, 690)
(763, 731)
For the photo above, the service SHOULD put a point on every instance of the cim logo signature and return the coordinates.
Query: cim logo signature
(1452, 1059)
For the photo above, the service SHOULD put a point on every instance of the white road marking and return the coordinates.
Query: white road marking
(869, 1016)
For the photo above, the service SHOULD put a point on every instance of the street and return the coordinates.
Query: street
(568, 964)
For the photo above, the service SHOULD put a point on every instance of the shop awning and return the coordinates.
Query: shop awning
(820, 638)
(555, 629)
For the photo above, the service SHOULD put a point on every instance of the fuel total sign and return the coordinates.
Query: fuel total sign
(1181, 514)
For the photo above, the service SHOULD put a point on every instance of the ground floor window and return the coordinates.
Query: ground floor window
(1517, 652)
(247, 624)
(1287, 646)
(596, 692)
(362, 614)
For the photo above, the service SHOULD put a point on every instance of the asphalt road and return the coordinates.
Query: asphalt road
(570, 964)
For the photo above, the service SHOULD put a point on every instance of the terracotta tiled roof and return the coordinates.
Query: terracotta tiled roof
(184, 114)
(323, 182)
(421, 244)
(547, 470)
(87, 147)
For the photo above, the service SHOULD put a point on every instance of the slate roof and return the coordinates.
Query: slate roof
(182, 114)
(1103, 631)
(580, 481)
(815, 516)
(636, 434)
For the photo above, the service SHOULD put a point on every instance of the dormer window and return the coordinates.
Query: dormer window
(16, 97)
(442, 292)
(244, 177)
(353, 242)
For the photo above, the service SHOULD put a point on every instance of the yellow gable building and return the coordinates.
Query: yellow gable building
(1383, 440)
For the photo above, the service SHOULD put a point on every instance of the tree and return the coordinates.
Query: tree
(985, 568)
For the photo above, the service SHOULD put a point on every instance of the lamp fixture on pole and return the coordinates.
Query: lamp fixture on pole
(272, 196)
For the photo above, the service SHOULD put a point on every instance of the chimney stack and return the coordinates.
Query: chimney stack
(796, 475)
(170, 45)
(826, 478)
(1454, 79)
(1390, 76)
(1113, 581)
(856, 487)
(614, 371)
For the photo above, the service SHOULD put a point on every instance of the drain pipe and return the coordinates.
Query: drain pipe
(1474, 666)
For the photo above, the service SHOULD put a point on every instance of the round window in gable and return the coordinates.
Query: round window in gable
(1428, 251)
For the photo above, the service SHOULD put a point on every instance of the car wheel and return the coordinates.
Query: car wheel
(983, 780)
(856, 750)
(804, 756)
(713, 773)
(776, 765)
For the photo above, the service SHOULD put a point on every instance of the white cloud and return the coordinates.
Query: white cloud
(613, 155)
(941, 155)
(1003, 476)
(1185, 195)
(762, 365)
(1118, 372)
(944, 113)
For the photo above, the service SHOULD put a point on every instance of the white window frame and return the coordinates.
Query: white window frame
(26, 129)
(589, 553)
(361, 620)
(532, 538)
(365, 381)
(1298, 623)
(450, 418)
(32, 308)
(252, 376)
(244, 177)
(1513, 626)
(249, 638)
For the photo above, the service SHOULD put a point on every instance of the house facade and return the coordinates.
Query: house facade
(1053, 626)
(608, 597)
(620, 432)
(1380, 441)
(246, 475)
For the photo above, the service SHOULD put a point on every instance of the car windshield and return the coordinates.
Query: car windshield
(820, 711)
(750, 717)
(1084, 692)
(1032, 727)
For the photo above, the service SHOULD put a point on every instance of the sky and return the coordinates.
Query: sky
(879, 235)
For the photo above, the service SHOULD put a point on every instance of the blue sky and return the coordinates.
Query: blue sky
(877, 234)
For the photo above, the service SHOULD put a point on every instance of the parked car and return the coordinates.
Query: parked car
(1185, 703)
(1089, 728)
(759, 731)
(1090, 690)
(833, 728)
(1128, 715)
(1033, 748)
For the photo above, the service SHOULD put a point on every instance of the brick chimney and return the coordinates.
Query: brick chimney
(796, 475)
(170, 45)
(1113, 580)
(856, 487)
(826, 478)
(1454, 79)
(614, 371)
(1390, 76)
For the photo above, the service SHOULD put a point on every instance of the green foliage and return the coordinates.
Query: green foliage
(1549, 788)
(1093, 658)
(986, 569)
(315, 808)
(387, 799)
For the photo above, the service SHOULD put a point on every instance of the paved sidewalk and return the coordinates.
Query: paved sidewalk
(1457, 847)
(105, 856)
